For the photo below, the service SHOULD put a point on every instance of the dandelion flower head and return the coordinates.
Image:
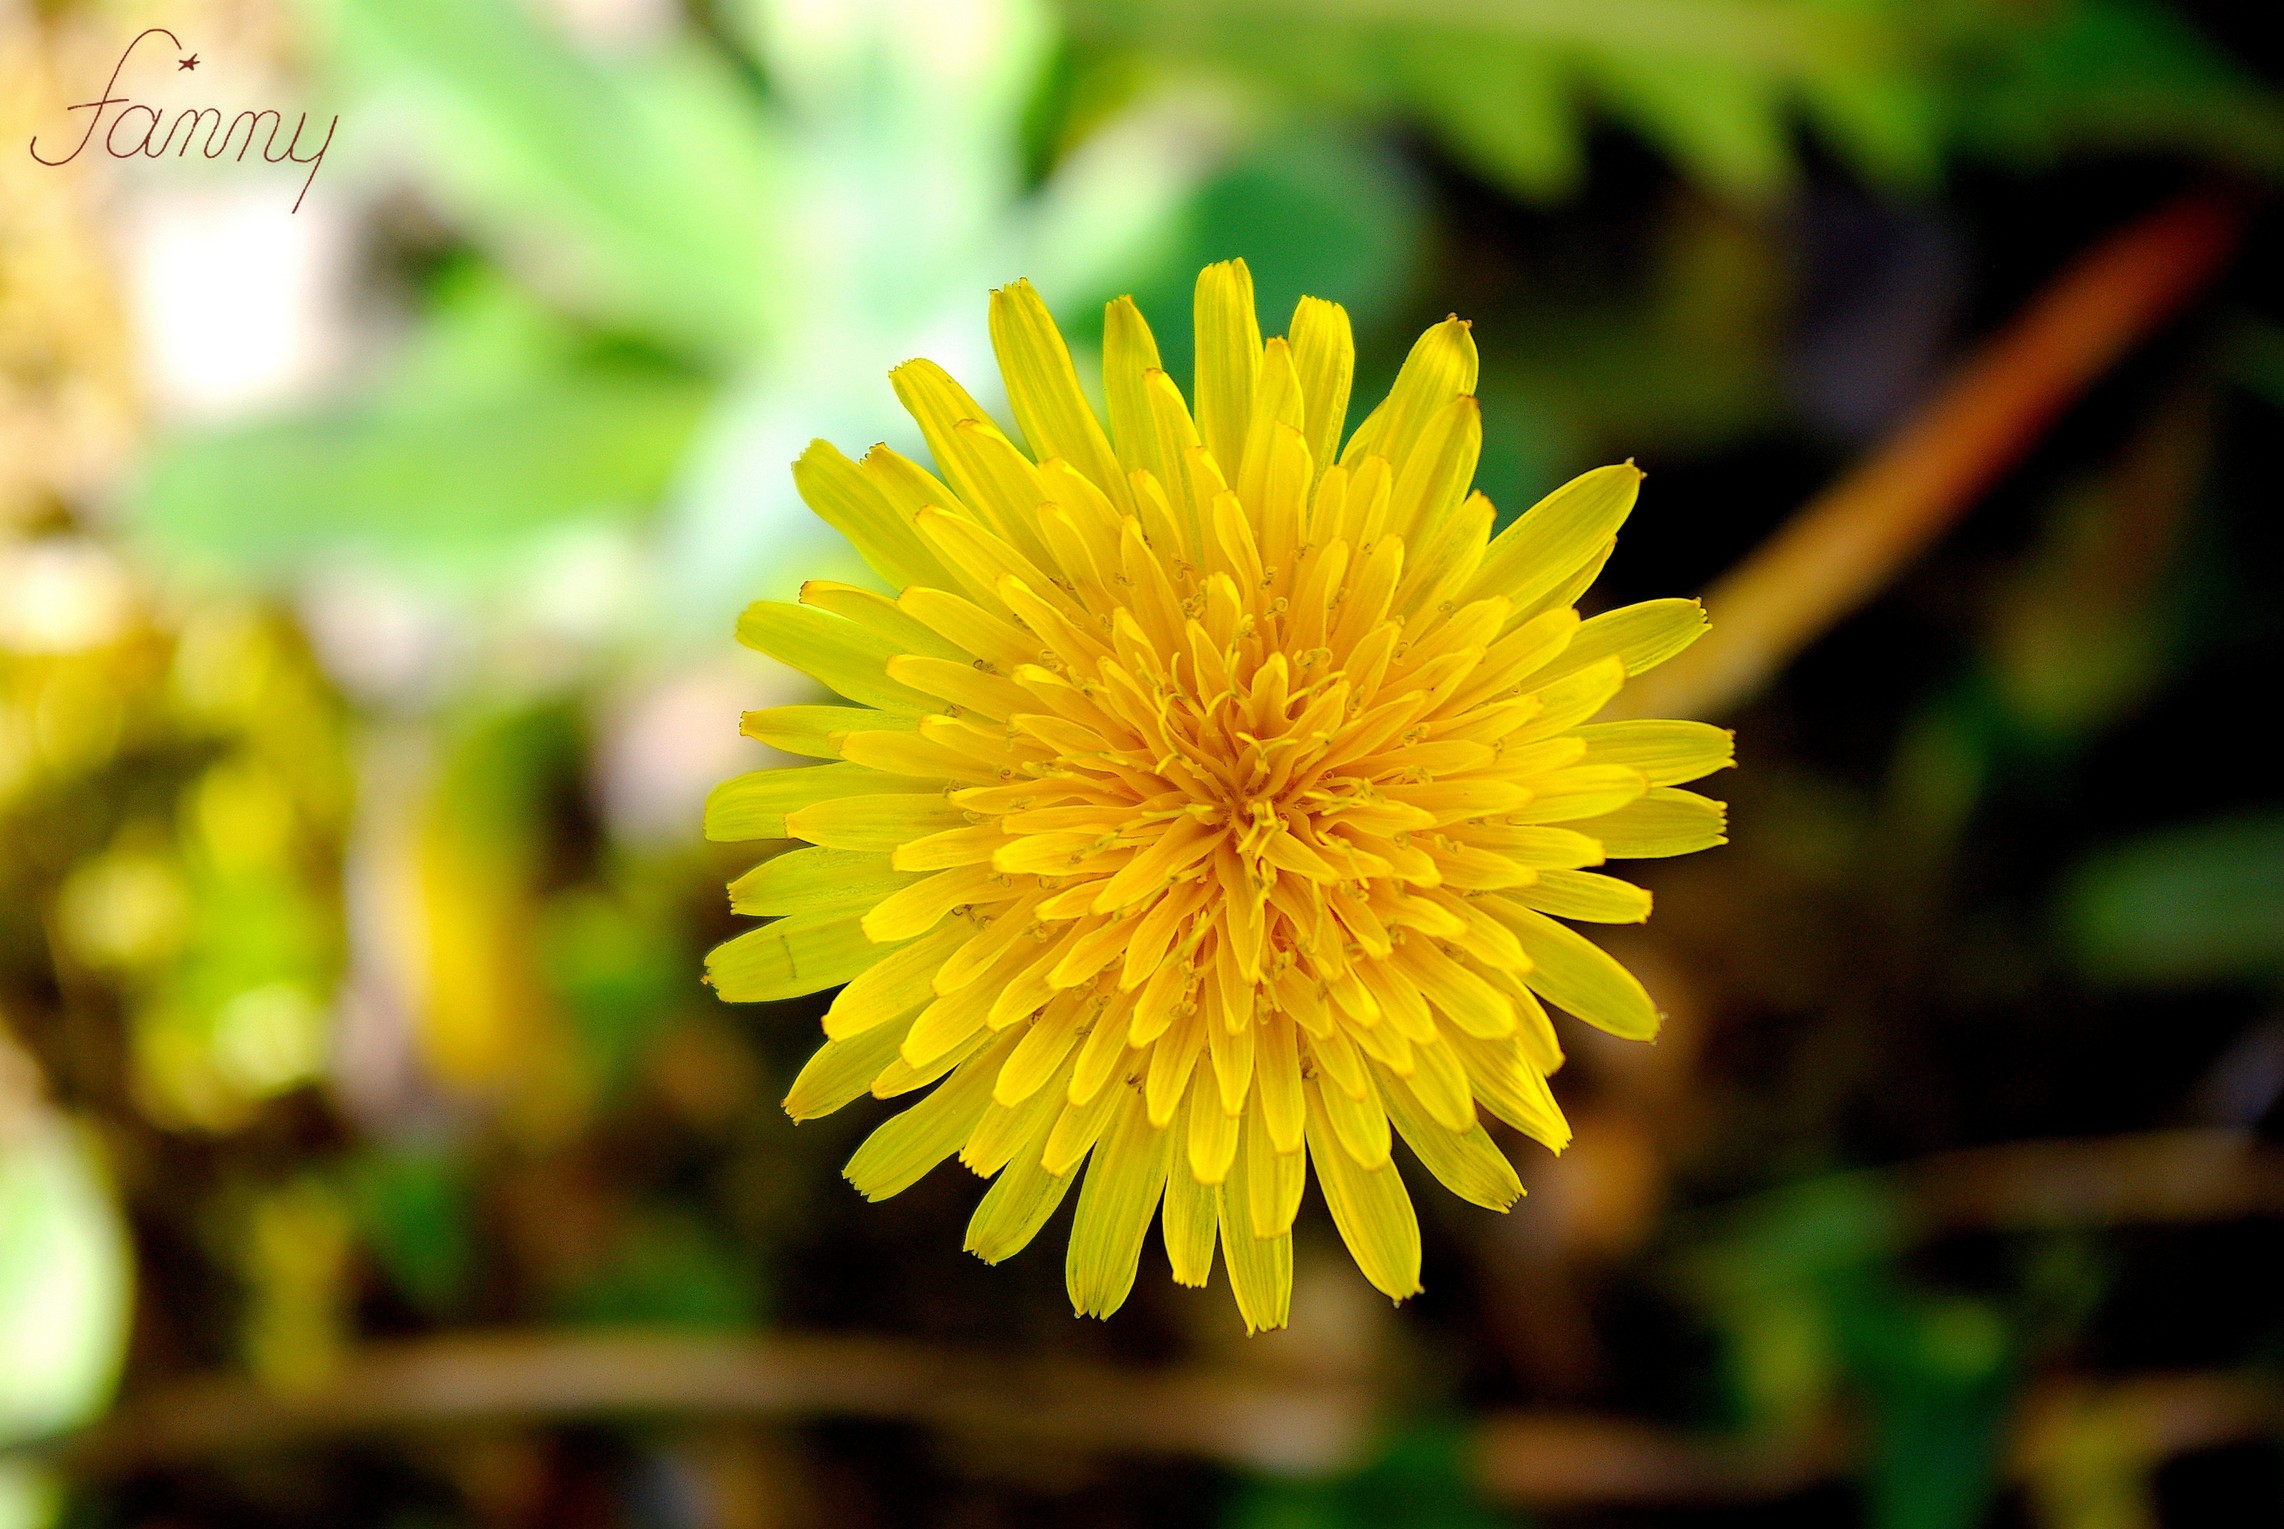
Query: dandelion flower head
(1213, 801)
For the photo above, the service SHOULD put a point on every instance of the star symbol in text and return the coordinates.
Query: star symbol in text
(187, 63)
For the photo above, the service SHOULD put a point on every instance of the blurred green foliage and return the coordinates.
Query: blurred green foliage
(501, 423)
(1897, 89)
(2190, 906)
(1817, 1307)
(1419, 1480)
(411, 1203)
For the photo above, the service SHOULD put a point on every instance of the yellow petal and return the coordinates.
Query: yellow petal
(1041, 1055)
(1008, 926)
(1277, 402)
(963, 685)
(915, 755)
(901, 1151)
(877, 614)
(1461, 997)
(1009, 1129)
(1572, 972)
(914, 907)
(1447, 562)
(1043, 389)
(901, 1077)
(1324, 353)
(1211, 1133)
(830, 649)
(940, 406)
(1505, 1082)
(754, 805)
(888, 821)
(972, 845)
(1585, 896)
(1129, 355)
(1668, 753)
(1440, 367)
(1550, 541)
(1642, 636)
(1228, 358)
(1009, 484)
(1029, 991)
(1279, 1069)
(1178, 445)
(1540, 848)
(1230, 1048)
(1371, 1209)
(972, 630)
(1172, 1060)
(842, 1070)
(1188, 1223)
(1568, 591)
(1260, 1268)
(1121, 1193)
(1439, 1082)
(1583, 791)
(1563, 703)
(1663, 822)
(911, 488)
(1435, 477)
(1102, 1056)
(895, 988)
(1019, 1202)
(1468, 1163)
(1360, 1125)
(945, 1025)
(1274, 1176)
(983, 555)
(812, 881)
(809, 730)
(1079, 1127)
(838, 490)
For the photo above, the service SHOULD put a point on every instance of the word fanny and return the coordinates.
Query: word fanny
(152, 144)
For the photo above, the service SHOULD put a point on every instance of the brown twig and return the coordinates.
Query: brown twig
(1554, 1460)
(1537, 1459)
(1549, 1461)
(2146, 1420)
(1248, 1421)
(1852, 539)
(465, 1379)
(2152, 1177)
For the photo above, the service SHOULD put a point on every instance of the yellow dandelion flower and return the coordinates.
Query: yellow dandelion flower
(1210, 798)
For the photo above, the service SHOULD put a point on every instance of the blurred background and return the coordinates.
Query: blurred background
(370, 1153)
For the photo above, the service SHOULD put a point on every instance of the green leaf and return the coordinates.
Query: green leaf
(1323, 214)
(1728, 126)
(1896, 89)
(2114, 74)
(1506, 108)
(433, 491)
(642, 189)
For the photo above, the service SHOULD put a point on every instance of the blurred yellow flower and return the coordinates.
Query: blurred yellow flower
(1210, 798)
